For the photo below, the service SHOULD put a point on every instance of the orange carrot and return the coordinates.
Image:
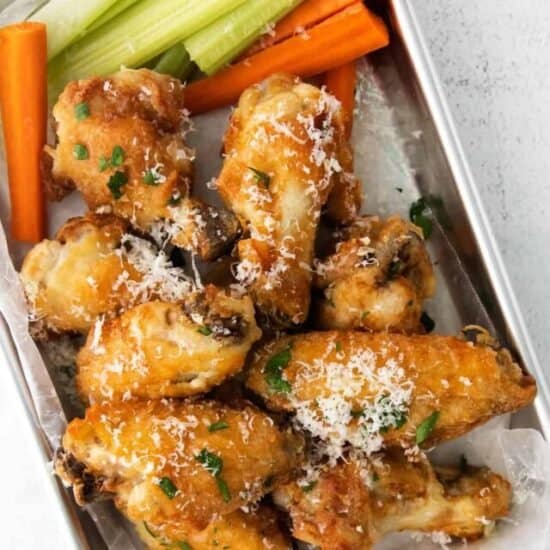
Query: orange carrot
(306, 15)
(349, 34)
(340, 82)
(24, 114)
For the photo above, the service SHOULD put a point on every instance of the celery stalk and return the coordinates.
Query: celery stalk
(175, 61)
(216, 45)
(134, 36)
(119, 6)
(67, 19)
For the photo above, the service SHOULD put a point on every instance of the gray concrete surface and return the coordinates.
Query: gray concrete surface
(493, 58)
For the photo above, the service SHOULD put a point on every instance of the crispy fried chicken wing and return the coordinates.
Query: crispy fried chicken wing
(285, 150)
(162, 349)
(351, 507)
(121, 143)
(376, 389)
(255, 530)
(176, 465)
(377, 279)
(71, 280)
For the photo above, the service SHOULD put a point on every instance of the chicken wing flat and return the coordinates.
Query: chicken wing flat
(381, 389)
(176, 465)
(350, 507)
(121, 142)
(285, 149)
(254, 530)
(377, 279)
(162, 349)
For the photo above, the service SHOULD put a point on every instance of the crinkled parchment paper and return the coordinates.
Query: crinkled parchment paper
(382, 162)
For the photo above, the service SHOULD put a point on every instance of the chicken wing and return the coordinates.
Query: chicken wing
(162, 349)
(176, 465)
(121, 142)
(377, 279)
(351, 507)
(285, 149)
(255, 530)
(378, 389)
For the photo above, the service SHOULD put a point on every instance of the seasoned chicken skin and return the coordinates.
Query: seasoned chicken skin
(379, 389)
(254, 530)
(162, 349)
(121, 143)
(285, 149)
(377, 279)
(176, 465)
(72, 280)
(349, 508)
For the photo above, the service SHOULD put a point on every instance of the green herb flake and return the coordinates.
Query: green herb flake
(205, 331)
(223, 488)
(148, 529)
(394, 269)
(261, 177)
(168, 488)
(117, 156)
(116, 182)
(182, 545)
(399, 189)
(217, 426)
(357, 413)
(80, 152)
(419, 214)
(338, 346)
(175, 199)
(103, 164)
(81, 111)
(274, 371)
(393, 418)
(211, 462)
(151, 178)
(427, 322)
(426, 427)
(364, 315)
(309, 487)
(375, 477)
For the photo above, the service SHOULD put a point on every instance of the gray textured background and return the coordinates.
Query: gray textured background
(493, 58)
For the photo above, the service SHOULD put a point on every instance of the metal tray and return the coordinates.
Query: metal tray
(474, 287)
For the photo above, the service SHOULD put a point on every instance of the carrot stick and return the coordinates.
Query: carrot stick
(340, 82)
(24, 113)
(349, 34)
(306, 15)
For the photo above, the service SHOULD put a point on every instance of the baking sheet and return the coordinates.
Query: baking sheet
(394, 150)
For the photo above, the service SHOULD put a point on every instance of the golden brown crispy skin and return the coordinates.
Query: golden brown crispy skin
(257, 530)
(176, 465)
(373, 389)
(285, 150)
(345, 511)
(162, 349)
(143, 113)
(71, 281)
(377, 279)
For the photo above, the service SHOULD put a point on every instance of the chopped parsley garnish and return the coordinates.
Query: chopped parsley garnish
(151, 178)
(427, 322)
(419, 213)
(274, 371)
(116, 182)
(175, 199)
(217, 426)
(103, 164)
(357, 413)
(338, 346)
(206, 331)
(399, 189)
(117, 156)
(261, 177)
(80, 152)
(168, 488)
(426, 427)
(364, 315)
(375, 477)
(394, 269)
(81, 111)
(213, 464)
(392, 418)
(182, 545)
(309, 487)
(148, 529)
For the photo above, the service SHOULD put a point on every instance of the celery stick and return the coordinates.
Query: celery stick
(67, 19)
(216, 45)
(175, 61)
(134, 36)
(119, 6)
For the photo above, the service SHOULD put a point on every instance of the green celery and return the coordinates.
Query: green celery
(66, 20)
(216, 45)
(121, 5)
(175, 61)
(133, 37)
